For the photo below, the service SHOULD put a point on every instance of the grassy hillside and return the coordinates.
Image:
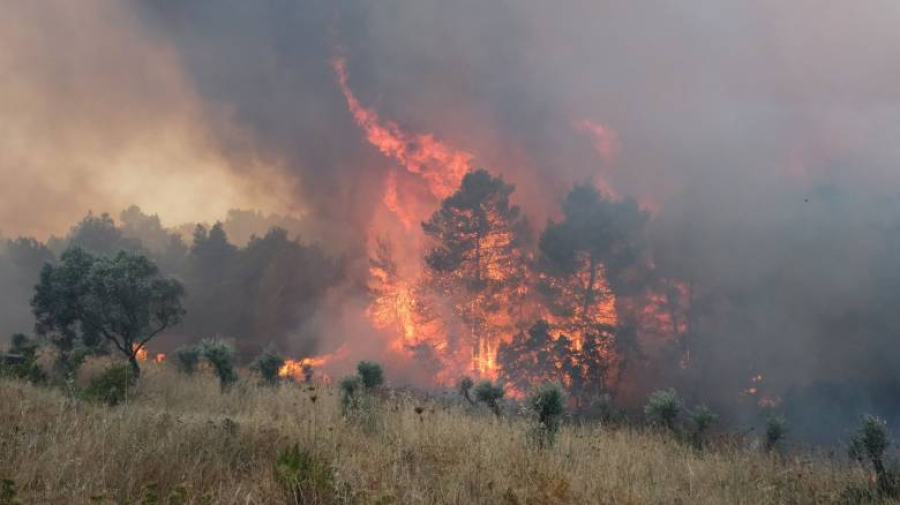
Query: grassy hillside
(178, 440)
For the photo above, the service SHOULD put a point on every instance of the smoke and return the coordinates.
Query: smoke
(761, 136)
(99, 114)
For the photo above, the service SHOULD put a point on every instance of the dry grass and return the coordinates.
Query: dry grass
(183, 441)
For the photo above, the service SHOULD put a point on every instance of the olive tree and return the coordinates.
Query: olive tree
(122, 299)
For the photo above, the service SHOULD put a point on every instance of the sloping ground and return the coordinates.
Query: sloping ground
(178, 440)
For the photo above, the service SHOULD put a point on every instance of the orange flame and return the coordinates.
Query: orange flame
(441, 167)
(428, 171)
(297, 369)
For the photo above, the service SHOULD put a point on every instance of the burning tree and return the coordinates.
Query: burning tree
(585, 259)
(537, 356)
(477, 260)
(589, 265)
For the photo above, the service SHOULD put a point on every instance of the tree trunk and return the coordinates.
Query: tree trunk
(589, 293)
(884, 484)
(135, 368)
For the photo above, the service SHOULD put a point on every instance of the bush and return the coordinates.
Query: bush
(220, 355)
(370, 373)
(490, 394)
(304, 477)
(663, 408)
(8, 493)
(870, 442)
(268, 364)
(21, 360)
(702, 418)
(187, 358)
(350, 387)
(112, 386)
(548, 404)
(776, 427)
(465, 389)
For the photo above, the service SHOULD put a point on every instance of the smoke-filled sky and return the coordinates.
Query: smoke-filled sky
(761, 134)
(189, 109)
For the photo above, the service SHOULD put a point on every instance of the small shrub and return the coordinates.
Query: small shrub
(663, 408)
(178, 495)
(370, 373)
(776, 428)
(465, 389)
(267, 365)
(220, 355)
(305, 478)
(8, 493)
(150, 494)
(187, 358)
(21, 360)
(112, 386)
(357, 404)
(490, 394)
(702, 418)
(870, 442)
(350, 390)
(548, 404)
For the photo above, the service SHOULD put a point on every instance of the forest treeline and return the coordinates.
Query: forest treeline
(270, 286)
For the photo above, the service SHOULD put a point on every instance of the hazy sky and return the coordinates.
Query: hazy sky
(190, 109)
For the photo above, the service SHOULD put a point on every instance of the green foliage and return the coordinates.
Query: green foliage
(606, 231)
(776, 428)
(220, 355)
(350, 393)
(99, 236)
(702, 418)
(113, 386)
(57, 307)
(370, 373)
(21, 360)
(187, 358)
(123, 299)
(264, 288)
(8, 493)
(465, 386)
(490, 394)
(548, 404)
(267, 365)
(663, 408)
(870, 442)
(304, 477)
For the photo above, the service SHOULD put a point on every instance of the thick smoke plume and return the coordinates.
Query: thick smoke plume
(760, 136)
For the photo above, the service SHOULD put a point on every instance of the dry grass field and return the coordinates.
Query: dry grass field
(179, 440)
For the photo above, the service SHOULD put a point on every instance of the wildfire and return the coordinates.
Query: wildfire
(459, 327)
(441, 167)
(299, 369)
(143, 355)
(764, 400)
